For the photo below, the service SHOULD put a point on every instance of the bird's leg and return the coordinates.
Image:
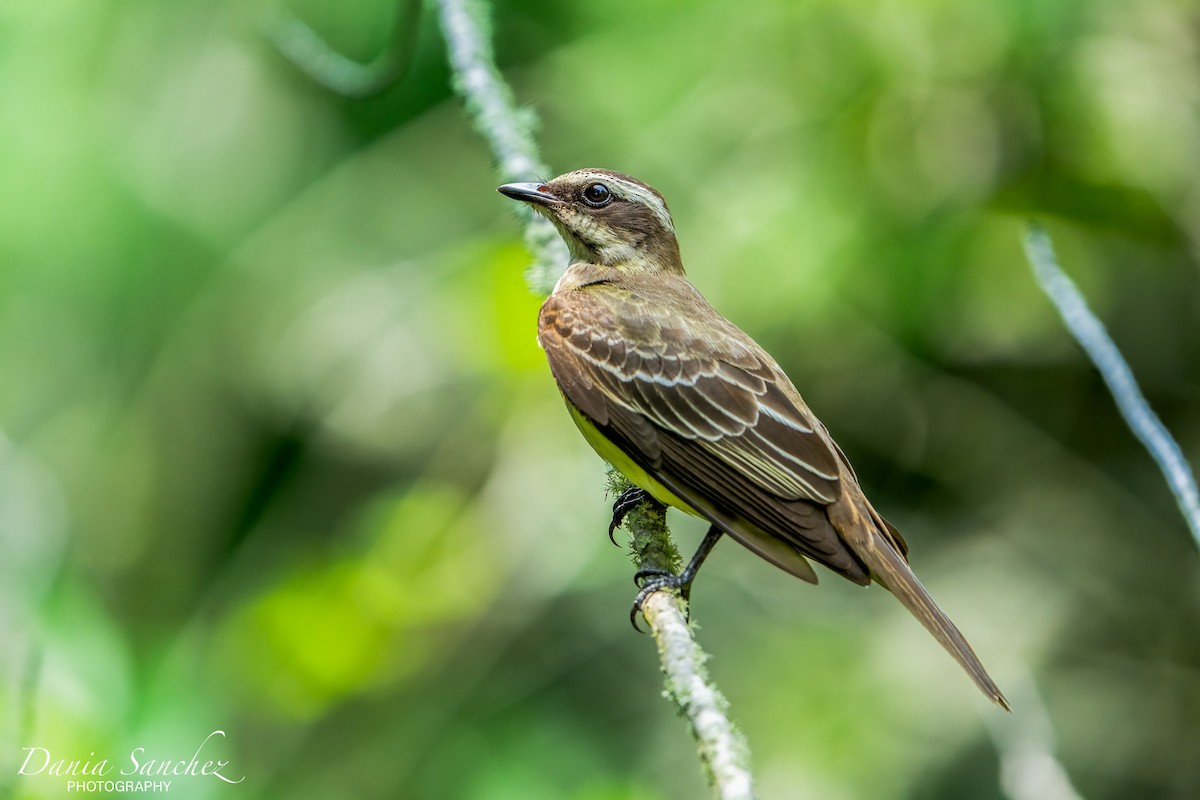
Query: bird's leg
(626, 502)
(661, 579)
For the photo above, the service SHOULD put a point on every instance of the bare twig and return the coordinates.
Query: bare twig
(722, 748)
(507, 129)
(320, 62)
(1090, 332)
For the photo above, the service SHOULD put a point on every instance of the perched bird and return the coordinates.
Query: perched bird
(695, 413)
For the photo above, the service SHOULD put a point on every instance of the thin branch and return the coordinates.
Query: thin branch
(509, 132)
(320, 62)
(1090, 332)
(507, 129)
(721, 746)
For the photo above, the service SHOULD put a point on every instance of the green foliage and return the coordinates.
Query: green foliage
(279, 455)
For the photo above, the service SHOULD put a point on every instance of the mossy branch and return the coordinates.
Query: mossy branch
(507, 129)
(509, 133)
(721, 746)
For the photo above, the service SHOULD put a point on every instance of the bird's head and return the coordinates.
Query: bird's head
(606, 218)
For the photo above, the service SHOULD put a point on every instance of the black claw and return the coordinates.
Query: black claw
(626, 502)
(659, 579)
(642, 574)
(633, 612)
(662, 579)
(638, 599)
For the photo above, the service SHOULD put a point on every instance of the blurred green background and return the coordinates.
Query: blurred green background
(279, 454)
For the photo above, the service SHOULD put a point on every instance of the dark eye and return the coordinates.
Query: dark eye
(597, 195)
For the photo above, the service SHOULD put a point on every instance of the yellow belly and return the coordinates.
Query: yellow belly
(625, 465)
(772, 548)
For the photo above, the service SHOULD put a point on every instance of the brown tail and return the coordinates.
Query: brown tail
(889, 568)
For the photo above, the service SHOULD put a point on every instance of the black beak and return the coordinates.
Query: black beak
(537, 194)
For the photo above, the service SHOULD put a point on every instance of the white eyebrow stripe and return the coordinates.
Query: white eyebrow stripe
(635, 193)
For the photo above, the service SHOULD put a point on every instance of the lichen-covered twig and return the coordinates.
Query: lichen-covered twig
(507, 129)
(1090, 332)
(722, 749)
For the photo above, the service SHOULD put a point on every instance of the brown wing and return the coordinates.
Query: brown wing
(698, 404)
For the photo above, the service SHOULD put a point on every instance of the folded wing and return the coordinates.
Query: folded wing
(702, 407)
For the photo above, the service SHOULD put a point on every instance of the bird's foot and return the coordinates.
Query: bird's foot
(650, 581)
(626, 502)
(656, 579)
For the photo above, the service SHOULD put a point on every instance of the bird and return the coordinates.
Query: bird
(695, 413)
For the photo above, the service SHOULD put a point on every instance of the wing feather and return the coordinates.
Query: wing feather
(707, 410)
